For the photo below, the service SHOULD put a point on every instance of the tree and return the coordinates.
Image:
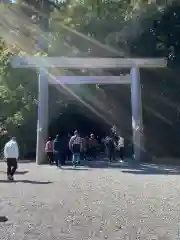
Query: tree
(18, 99)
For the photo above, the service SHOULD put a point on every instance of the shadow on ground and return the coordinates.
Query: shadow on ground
(16, 173)
(21, 172)
(129, 166)
(153, 171)
(3, 219)
(137, 168)
(76, 169)
(26, 181)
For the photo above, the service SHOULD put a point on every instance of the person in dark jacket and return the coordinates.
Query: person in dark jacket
(110, 147)
(64, 142)
(69, 153)
(57, 151)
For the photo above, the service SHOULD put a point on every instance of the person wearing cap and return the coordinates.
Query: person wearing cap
(11, 154)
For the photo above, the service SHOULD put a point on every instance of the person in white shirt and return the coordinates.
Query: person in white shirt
(11, 154)
(121, 148)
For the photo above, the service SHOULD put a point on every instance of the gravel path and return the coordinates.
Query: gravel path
(90, 203)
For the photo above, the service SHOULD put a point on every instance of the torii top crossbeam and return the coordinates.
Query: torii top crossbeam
(89, 63)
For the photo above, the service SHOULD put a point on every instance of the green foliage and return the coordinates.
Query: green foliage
(18, 94)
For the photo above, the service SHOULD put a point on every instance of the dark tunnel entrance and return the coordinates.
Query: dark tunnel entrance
(75, 117)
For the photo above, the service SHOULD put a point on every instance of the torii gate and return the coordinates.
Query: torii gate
(89, 63)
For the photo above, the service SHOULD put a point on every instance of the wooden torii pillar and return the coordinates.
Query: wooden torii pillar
(133, 78)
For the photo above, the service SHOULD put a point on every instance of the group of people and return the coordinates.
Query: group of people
(65, 148)
(114, 145)
(76, 148)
